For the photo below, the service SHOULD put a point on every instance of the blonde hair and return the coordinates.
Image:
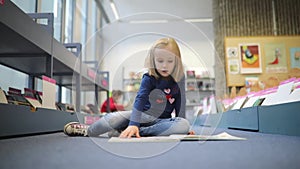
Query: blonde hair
(171, 45)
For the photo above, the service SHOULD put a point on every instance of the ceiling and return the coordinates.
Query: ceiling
(187, 9)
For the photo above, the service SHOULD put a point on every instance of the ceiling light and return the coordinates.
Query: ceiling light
(148, 21)
(114, 9)
(199, 20)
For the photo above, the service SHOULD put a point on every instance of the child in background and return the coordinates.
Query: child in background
(159, 106)
(113, 102)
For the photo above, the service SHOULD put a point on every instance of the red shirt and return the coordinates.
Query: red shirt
(112, 106)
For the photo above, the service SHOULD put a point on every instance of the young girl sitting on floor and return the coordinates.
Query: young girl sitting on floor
(159, 106)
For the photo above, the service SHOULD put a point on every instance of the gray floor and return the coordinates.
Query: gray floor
(59, 151)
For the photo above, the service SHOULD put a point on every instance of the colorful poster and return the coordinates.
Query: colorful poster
(233, 66)
(275, 55)
(295, 57)
(250, 58)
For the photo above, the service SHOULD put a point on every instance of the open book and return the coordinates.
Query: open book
(178, 137)
(219, 137)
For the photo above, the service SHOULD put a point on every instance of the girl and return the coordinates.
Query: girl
(161, 95)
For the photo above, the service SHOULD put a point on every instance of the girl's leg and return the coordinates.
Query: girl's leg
(116, 120)
(166, 127)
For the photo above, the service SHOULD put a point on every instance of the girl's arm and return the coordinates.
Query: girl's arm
(181, 101)
(141, 99)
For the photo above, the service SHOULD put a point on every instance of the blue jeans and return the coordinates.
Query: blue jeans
(150, 126)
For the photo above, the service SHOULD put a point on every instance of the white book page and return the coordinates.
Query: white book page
(3, 98)
(144, 139)
(34, 102)
(270, 99)
(251, 101)
(179, 137)
(284, 91)
(281, 95)
(294, 96)
(219, 137)
(49, 93)
(239, 103)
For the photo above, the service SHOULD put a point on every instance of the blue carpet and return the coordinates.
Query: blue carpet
(259, 151)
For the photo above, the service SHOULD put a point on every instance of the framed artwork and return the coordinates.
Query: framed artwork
(233, 66)
(250, 58)
(275, 58)
(232, 52)
(295, 57)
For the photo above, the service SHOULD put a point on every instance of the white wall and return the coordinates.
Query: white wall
(126, 45)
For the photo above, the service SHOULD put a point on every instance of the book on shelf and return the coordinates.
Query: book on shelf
(65, 107)
(3, 98)
(31, 97)
(295, 95)
(190, 74)
(49, 93)
(15, 97)
(282, 93)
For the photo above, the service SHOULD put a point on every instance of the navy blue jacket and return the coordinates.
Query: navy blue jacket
(159, 97)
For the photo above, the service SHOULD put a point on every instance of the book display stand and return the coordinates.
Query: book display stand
(30, 48)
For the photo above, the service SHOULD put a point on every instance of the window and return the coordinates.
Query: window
(55, 7)
(19, 81)
(27, 6)
(69, 13)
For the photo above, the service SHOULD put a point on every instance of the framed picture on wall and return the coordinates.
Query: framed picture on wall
(275, 58)
(250, 58)
(295, 57)
(232, 52)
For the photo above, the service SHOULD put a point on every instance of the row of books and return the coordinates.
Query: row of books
(287, 91)
(30, 97)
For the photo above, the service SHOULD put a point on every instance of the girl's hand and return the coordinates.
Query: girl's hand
(130, 131)
(191, 132)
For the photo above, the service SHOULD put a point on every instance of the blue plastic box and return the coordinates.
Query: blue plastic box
(280, 119)
(245, 118)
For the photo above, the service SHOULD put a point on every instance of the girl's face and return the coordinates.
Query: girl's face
(164, 62)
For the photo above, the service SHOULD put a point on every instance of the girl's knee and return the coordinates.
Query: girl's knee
(182, 126)
(116, 119)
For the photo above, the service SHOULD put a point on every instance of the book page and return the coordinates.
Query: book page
(144, 139)
(3, 98)
(219, 137)
(283, 91)
(34, 102)
(294, 96)
(239, 103)
(49, 93)
(250, 102)
(179, 137)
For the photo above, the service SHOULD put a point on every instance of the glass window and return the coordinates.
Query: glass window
(65, 95)
(19, 81)
(69, 13)
(91, 36)
(80, 24)
(55, 7)
(27, 6)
